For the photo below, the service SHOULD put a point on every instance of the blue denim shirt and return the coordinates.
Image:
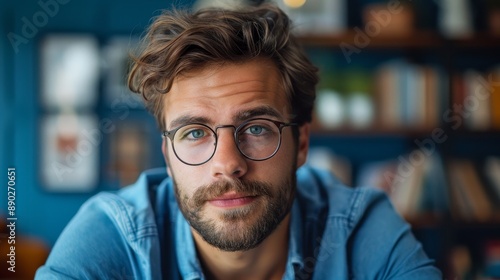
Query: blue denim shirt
(336, 232)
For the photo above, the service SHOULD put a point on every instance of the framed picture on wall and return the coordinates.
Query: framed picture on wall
(69, 149)
(129, 151)
(69, 71)
(117, 61)
(69, 121)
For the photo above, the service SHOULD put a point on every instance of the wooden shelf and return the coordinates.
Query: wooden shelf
(471, 133)
(481, 40)
(493, 224)
(425, 220)
(372, 131)
(417, 40)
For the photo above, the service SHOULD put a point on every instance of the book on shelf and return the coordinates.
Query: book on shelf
(479, 263)
(476, 98)
(400, 95)
(495, 97)
(415, 189)
(473, 190)
(387, 97)
(465, 178)
(491, 267)
(492, 178)
(435, 182)
(468, 191)
(460, 205)
(325, 158)
(409, 95)
(430, 109)
(378, 174)
(458, 91)
(460, 262)
(406, 190)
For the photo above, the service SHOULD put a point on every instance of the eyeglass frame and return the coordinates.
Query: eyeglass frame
(170, 134)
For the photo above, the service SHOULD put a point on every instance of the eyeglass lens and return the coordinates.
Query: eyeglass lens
(196, 143)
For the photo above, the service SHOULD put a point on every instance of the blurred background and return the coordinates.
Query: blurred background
(409, 102)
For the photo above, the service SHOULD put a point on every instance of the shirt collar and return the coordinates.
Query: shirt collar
(189, 265)
(295, 255)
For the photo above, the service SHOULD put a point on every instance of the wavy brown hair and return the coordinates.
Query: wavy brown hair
(179, 41)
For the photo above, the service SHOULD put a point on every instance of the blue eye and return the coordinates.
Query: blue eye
(197, 133)
(193, 133)
(255, 130)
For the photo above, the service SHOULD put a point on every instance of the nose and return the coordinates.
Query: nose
(227, 161)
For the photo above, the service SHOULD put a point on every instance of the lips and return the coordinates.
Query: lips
(232, 199)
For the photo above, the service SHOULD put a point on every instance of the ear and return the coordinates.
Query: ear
(165, 156)
(303, 145)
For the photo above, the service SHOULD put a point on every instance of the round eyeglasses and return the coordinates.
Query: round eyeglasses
(257, 139)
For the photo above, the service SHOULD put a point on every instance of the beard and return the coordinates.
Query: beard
(242, 228)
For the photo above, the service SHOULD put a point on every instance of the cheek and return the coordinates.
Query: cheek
(179, 170)
(280, 166)
(186, 178)
(288, 150)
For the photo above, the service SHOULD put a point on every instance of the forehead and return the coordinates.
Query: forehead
(219, 93)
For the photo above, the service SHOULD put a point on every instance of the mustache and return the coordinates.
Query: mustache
(216, 189)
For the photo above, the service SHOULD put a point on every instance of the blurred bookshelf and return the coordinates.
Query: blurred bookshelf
(420, 40)
(416, 40)
(382, 102)
(414, 109)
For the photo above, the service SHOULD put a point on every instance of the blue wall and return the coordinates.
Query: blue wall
(39, 212)
(44, 214)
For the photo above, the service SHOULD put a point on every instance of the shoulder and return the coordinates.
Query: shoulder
(112, 235)
(362, 223)
(132, 209)
(319, 191)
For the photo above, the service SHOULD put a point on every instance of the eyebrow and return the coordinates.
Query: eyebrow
(257, 112)
(187, 119)
(240, 116)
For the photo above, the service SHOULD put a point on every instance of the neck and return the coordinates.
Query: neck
(266, 261)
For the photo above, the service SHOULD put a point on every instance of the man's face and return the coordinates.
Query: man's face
(233, 202)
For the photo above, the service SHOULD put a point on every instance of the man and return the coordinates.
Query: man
(233, 94)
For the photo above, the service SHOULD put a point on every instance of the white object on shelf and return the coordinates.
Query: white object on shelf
(330, 109)
(360, 110)
(455, 18)
(317, 16)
